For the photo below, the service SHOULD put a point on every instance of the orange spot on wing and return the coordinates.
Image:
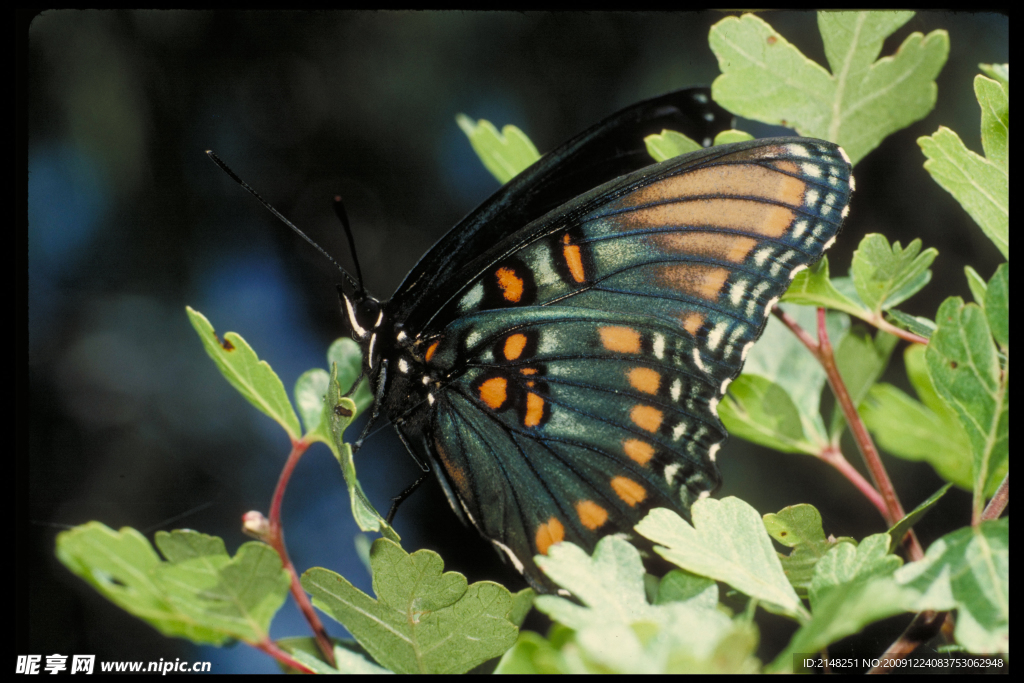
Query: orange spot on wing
(620, 339)
(692, 322)
(735, 180)
(698, 280)
(645, 380)
(528, 371)
(549, 534)
(514, 346)
(430, 350)
(628, 490)
(646, 417)
(458, 476)
(638, 451)
(510, 283)
(534, 410)
(746, 215)
(494, 392)
(573, 259)
(591, 514)
(708, 244)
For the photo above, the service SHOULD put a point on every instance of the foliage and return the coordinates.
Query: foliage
(428, 621)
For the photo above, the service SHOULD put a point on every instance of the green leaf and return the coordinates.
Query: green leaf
(610, 585)
(337, 413)
(886, 276)
(981, 186)
(423, 620)
(848, 563)
(727, 137)
(727, 542)
(615, 630)
(668, 144)
(349, 357)
(251, 377)
(504, 154)
(310, 389)
(1000, 72)
(535, 654)
(900, 529)
(994, 99)
(861, 360)
(968, 569)
(799, 527)
(682, 586)
(766, 78)
(813, 287)
(997, 305)
(963, 365)
(758, 411)
(977, 285)
(910, 430)
(522, 603)
(853, 587)
(199, 592)
(922, 327)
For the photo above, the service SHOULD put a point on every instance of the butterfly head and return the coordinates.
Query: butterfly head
(365, 319)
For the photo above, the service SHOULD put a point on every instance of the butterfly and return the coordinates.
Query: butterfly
(558, 357)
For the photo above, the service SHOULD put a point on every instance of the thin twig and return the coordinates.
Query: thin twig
(891, 510)
(275, 538)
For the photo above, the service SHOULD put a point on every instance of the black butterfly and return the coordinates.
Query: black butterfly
(557, 357)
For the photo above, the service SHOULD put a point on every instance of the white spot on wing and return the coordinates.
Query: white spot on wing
(716, 334)
(472, 298)
(659, 346)
(813, 170)
(736, 292)
(511, 555)
(678, 431)
(697, 361)
(677, 387)
(799, 227)
(713, 452)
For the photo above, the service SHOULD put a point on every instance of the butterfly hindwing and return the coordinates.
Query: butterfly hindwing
(569, 383)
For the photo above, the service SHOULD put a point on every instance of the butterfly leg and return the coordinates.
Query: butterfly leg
(378, 401)
(400, 498)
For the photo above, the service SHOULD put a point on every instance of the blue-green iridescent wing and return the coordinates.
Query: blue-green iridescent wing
(571, 384)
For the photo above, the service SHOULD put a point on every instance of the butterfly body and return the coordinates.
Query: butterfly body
(558, 360)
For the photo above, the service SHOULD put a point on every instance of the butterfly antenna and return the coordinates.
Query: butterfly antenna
(339, 211)
(224, 167)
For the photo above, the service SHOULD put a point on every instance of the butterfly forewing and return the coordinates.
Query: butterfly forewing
(569, 383)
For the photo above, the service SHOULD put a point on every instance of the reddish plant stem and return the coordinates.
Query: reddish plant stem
(999, 501)
(275, 538)
(925, 626)
(883, 324)
(891, 510)
(833, 456)
(271, 648)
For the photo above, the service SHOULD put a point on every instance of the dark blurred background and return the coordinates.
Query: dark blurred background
(128, 422)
